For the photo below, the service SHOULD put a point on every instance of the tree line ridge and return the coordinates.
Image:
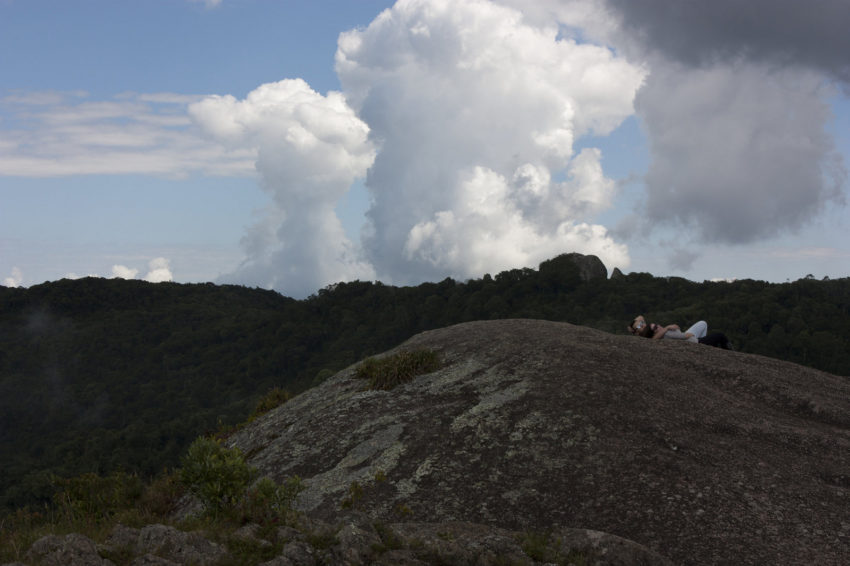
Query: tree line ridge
(101, 375)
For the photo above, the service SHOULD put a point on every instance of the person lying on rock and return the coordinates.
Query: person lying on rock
(698, 332)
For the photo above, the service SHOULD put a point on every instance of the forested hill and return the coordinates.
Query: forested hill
(100, 375)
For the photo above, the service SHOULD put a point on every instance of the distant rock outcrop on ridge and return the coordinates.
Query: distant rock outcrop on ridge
(703, 455)
(590, 267)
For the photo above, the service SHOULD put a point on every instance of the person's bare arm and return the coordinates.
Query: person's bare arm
(662, 330)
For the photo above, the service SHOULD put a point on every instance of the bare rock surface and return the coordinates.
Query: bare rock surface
(69, 550)
(702, 455)
(356, 540)
(469, 543)
(166, 543)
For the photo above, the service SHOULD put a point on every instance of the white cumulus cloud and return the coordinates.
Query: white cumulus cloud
(15, 279)
(476, 113)
(310, 148)
(159, 271)
(123, 272)
(487, 230)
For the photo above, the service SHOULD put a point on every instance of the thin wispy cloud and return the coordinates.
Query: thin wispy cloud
(59, 134)
(208, 4)
(798, 253)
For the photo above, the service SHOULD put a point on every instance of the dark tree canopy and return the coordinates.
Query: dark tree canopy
(100, 375)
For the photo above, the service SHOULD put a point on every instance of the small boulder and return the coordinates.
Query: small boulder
(123, 537)
(182, 547)
(160, 544)
(69, 550)
(250, 533)
(357, 537)
(299, 553)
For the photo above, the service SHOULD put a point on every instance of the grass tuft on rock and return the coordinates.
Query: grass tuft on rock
(388, 372)
(273, 399)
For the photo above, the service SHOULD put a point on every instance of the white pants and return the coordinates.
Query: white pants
(698, 330)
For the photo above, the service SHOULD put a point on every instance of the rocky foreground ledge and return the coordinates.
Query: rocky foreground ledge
(355, 540)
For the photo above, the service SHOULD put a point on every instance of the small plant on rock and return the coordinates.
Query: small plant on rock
(403, 511)
(387, 372)
(542, 547)
(389, 539)
(355, 494)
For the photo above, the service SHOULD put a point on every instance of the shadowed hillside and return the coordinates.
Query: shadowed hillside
(102, 375)
(703, 455)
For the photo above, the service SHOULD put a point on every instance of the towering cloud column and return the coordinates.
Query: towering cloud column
(310, 149)
(476, 114)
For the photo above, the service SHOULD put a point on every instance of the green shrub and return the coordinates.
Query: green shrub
(94, 499)
(18, 530)
(390, 371)
(162, 495)
(216, 475)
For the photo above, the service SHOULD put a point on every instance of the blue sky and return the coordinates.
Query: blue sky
(294, 144)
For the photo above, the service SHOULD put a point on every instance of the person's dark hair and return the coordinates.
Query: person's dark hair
(646, 331)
